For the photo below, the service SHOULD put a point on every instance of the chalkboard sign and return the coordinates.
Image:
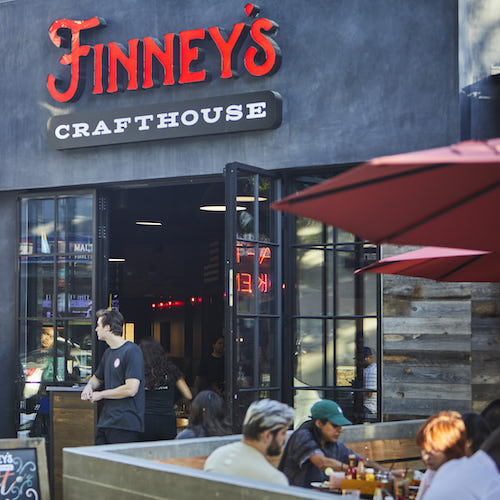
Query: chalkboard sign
(23, 470)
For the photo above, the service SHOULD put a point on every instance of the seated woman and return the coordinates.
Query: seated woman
(161, 377)
(477, 430)
(441, 438)
(314, 446)
(207, 417)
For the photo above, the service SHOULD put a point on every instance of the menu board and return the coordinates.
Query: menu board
(23, 473)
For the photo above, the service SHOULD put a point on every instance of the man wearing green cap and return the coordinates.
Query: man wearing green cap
(314, 446)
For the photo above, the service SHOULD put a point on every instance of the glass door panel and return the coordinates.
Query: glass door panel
(253, 290)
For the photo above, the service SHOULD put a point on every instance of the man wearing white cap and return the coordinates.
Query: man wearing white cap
(264, 433)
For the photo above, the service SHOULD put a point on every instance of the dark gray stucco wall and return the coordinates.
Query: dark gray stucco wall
(358, 79)
(9, 367)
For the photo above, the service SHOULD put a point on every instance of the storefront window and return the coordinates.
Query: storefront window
(55, 301)
(335, 320)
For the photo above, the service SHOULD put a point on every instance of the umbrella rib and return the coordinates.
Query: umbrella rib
(458, 268)
(380, 265)
(360, 184)
(428, 218)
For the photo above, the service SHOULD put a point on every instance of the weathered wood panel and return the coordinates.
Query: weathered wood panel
(424, 323)
(483, 394)
(486, 368)
(430, 325)
(427, 358)
(426, 345)
(486, 335)
(459, 374)
(431, 391)
(423, 289)
(427, 342)
(402, 407)
(485, 291)
(485, 344)
(401, 306)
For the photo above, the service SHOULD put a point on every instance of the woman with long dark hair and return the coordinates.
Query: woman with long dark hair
(161, 378)
(477, 430)
(207, 417)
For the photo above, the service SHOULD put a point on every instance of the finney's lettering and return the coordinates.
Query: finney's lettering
(164, 62)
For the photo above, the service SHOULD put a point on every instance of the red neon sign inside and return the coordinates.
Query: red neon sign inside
(262, 57)
(264, 254)
(244, 283)
(244, 280)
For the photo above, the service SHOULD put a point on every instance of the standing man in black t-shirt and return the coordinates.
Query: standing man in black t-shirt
(121, 372)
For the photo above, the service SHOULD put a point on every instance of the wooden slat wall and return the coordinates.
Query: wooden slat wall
(427, 337)
(485, 344)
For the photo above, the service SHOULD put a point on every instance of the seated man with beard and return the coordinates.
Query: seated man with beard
(315, 446)
(264, 433)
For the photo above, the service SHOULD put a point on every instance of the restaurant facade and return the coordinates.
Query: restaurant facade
(142, 146)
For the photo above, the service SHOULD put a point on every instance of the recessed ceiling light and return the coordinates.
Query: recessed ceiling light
(218, 208)
(148, 223)
(116, 259)
(249, 199)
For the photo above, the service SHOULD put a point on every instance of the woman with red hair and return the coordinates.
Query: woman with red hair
(441, 438)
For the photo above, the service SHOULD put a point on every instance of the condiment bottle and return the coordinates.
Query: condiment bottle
(352, 473)
(399, 493)
(370, 475)
(377, 494)
(361, 468)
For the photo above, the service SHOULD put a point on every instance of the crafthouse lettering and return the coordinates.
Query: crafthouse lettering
(151, 63)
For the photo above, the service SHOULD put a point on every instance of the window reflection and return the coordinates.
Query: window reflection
(55, 283)
(309, 351)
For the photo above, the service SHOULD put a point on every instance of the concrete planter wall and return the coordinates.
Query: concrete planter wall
(129, 471)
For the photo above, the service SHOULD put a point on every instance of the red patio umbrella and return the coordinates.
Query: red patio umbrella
(447, 196)
(441, 264)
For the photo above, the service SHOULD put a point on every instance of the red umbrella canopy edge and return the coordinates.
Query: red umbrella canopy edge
(448, 196)
(441, 264)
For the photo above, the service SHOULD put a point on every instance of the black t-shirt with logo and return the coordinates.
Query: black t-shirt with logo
(116, 366)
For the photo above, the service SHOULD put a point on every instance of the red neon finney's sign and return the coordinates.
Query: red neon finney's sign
(262, 58)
